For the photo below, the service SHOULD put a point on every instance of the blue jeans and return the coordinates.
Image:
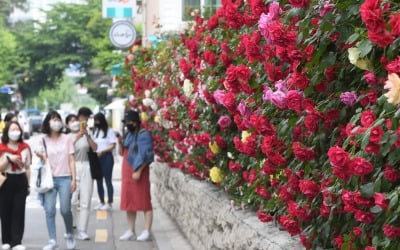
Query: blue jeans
(107, 165)
(62, 186)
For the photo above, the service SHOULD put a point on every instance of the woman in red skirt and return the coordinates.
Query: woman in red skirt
(137, 151)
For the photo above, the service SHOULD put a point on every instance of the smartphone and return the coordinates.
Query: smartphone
(82, 125)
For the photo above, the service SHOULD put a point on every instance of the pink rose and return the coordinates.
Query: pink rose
(224, 121)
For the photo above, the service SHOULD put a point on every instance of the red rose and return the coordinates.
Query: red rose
(290, 225)
(309, 188)
(373, 148)
(175, 135)
(364, 217)
(338, 157)
(234, 167)
(294, 100)
(210, 58)
(394, 66)
(301, 153)
(372, 17)
(263, 192)
(380, 200)
(276, 158)
(363, 201)
(394, 22)
(298, 80)
(262, 216)
(339, 241)
(381, 39)
(376, 134)
(367, 118)
(358, 231)
(299, 3)
(325, 211)
(228, 100)
(284, 194)
(311, 122)
(212, 23)
(280, 35)
(391, 231)
(370, 78)
(360, 166)
(391, 174)
(262, 125)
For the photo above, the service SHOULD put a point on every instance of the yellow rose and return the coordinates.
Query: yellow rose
(393, 85)
(354, 58)
(245, 134)
(156, 119)
(144, 117)
(215, 175)
(215, 149)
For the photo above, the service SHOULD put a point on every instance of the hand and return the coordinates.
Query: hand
(99, 153)
(17, 160)
(73, 186)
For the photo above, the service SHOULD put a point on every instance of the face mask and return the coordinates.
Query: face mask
(74, 126)
(131, 127)
(14, 135)
(97, 125)
(56, 125)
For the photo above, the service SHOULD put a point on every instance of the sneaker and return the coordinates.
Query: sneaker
(128, 235)
(145, 235)
(18, 247)
(104, 207)
(5, 246)
(52, 245)
(98, 206)
(82, 236)
(71, 241)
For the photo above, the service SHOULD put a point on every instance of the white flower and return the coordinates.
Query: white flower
(187, 88)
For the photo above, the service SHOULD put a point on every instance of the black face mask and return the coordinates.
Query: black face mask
(97, 125)
(131, 127)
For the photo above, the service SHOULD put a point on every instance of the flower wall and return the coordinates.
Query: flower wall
(291, 107)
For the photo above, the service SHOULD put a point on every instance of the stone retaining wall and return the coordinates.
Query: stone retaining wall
(203, 213)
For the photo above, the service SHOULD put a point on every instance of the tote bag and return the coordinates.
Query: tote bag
(44, 180)
(94, 162)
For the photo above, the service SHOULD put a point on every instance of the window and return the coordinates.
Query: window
(207, 8)
(188, 6)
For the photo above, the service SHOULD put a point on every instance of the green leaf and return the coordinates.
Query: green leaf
(375, 209)
(394, 200)
(365, 47)
(365, 140)
(367, 190)
(353, 38)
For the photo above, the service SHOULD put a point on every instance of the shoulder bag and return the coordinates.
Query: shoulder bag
(44, 181)
(94, 162)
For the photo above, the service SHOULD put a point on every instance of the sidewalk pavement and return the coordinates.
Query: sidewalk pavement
(105, 227)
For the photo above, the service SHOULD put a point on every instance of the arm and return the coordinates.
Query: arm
(3, 163)
(73, 172)
(120, 145)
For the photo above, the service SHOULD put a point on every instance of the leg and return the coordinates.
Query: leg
(18, 213)
(50, 210)
(86, 190)
(107, 168)
(131, 216)
(100, 189)
(148, 220)
(5, 212)
(65, 202)
(76, 198)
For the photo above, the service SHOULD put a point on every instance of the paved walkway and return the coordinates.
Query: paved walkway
(105, 227)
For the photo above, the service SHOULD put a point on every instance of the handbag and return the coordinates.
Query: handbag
(3, 178)
(94, 163)
(44, 180)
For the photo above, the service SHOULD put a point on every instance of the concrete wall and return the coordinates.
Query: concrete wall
(203, 213)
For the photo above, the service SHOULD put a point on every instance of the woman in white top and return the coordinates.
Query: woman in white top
(82, 196)
(105, 139)
(15, 162)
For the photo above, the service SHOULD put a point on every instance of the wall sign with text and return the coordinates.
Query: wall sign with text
(122, 34)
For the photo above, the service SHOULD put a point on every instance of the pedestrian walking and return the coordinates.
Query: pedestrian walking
(15, 161)
(105, 139)
(58, 149)
(81, 198)
(137, 150)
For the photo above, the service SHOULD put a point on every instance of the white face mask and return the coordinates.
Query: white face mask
(74, 126)
(56, 125)
(14, 135)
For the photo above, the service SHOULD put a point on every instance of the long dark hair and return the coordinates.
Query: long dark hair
(103, 125)
(4, 137)
(46, 122)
